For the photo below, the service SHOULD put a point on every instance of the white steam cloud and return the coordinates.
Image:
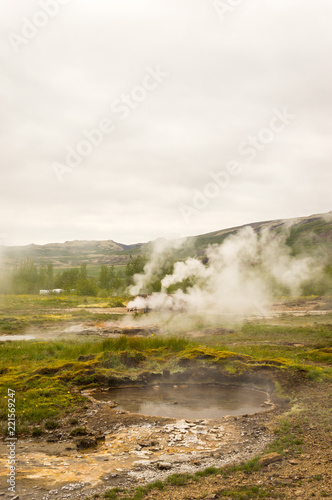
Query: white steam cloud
(241, 277)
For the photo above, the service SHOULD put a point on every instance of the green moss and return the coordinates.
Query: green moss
(132, 358)
(79, 431)
(323, 355)
(208, 353)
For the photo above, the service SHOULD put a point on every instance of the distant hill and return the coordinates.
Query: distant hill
(306, 234)
(70, 253)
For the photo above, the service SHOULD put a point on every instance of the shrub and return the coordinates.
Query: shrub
(36, 432)
(79, 431)
(51, 425)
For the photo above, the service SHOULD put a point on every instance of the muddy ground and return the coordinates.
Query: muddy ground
(304, 475)
(131, 449)
(135, 449)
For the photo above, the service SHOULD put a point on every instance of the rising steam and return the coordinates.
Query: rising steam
(242, 276)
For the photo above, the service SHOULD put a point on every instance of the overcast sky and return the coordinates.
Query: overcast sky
(179, 88)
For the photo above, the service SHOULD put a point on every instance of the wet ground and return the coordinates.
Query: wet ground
(129, 449)
(146, 325)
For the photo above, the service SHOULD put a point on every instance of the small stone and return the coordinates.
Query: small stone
(164, 465)
(86, 443)
(270, 459)
(293, 462)
(144, 444)
(141, 463)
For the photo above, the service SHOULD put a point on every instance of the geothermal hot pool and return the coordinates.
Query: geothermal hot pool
(186, 401)
(138, 446)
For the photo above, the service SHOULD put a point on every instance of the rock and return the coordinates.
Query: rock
(293, 462)
(164, 465)
(141, 463)
(270, 459)
(52, 439)
(144, 444)
(85, 443)
(147, 443)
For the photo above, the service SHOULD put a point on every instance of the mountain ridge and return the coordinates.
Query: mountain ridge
(98, 252)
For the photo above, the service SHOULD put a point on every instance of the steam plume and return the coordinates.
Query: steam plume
(242, 276)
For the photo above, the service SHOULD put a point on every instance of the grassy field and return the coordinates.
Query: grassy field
(19, 312)
(50, 373)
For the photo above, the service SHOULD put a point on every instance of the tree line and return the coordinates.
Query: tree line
(29, 278)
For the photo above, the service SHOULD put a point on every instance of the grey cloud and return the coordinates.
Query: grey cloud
(225, 79)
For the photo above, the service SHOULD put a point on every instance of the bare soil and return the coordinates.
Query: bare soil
(132, 447)
(130, 450)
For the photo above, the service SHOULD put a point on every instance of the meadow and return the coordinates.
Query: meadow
(48, 375)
